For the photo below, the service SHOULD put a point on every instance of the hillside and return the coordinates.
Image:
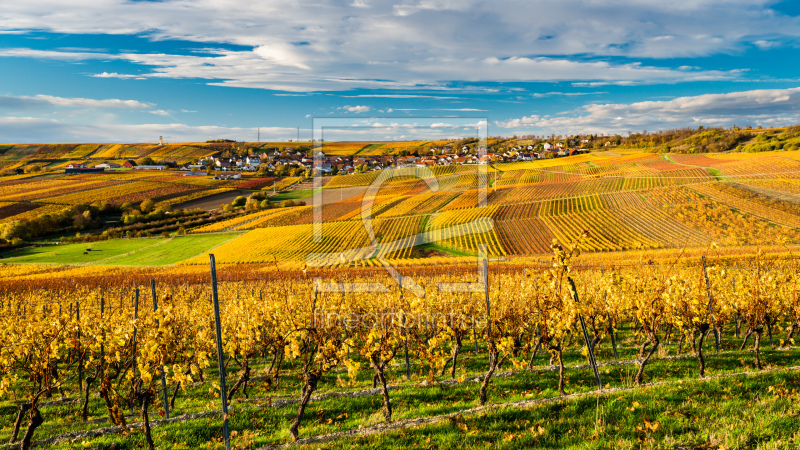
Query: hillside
(46, 157)
(627, 200)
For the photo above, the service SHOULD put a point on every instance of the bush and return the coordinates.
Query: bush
(239, 201)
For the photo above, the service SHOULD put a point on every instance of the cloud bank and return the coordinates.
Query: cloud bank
(766, 107)
(413, 43)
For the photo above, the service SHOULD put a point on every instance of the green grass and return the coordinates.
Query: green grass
(690, 412)
(74, 253)
(443, 249)
(716, 173)
(292, 195)
(738, 412)
(173, 251)
(140, 251)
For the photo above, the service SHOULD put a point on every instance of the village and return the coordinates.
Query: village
(270, 162)
(302, 160)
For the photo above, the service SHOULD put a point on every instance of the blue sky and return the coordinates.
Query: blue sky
(130, 71)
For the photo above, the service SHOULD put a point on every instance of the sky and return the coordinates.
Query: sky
(194, 70)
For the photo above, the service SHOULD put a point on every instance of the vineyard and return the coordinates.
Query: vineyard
(605, 300)
(106, 357)
(628, 201)
(27, 197)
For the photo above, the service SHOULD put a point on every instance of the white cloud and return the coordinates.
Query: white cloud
(402, 96)
(32, 129)
(250, 70)
(121, 76)
(765, 107)
(26, 102)
(386, 44)
(356, 109)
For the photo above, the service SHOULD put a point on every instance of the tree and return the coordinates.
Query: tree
(16, 229)
(146, 161)
(147, 205)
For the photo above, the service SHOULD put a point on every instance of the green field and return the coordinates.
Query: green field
(134, 252)
(292, 195)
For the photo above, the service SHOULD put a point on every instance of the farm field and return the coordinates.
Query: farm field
(30, 197)
(140, 251)
(627, 201)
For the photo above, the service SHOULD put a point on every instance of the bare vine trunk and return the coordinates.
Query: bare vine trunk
(114, 413)
(643, 360)
(85, 408)
(533, 354)
(34, 421)
(456, 350)
(756, 347)
(242, 381)
(380, 367)
(453, 359)
(701, 362)
(21, 410)
(556, 352)
(789, 334)
(746, 336)
(146, 398)
(309, 386)
(494, 357)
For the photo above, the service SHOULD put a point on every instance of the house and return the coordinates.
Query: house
(324, 168)
(231, 176)
(170, 164)
(547, 146)
(76, 166)
(253, 161)
(195, 173)
(151, 167)
(223, 163)
(129, 164)
(108, 166)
